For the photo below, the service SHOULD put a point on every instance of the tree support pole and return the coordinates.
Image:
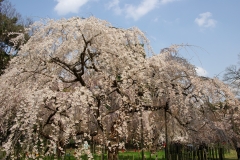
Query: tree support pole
(166, 131)
(142, 136)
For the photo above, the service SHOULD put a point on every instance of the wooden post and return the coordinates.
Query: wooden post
(142, 136)
(166, 131)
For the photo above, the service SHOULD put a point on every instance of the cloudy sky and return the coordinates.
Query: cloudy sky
(212, 28)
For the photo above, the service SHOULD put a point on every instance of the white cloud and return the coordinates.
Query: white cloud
(167, 1)
(115, 6)
(201, 72)
(136, 11)
(112, 4)
(68, 6)
(205, 20)
(143, 8)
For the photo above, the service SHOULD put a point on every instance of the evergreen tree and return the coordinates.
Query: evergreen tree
(10, 21)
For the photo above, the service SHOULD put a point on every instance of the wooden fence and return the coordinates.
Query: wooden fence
(178, 151)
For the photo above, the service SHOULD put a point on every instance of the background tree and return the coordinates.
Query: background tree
(189, 96)
(11, 22)
(232, 77)
(12, 25)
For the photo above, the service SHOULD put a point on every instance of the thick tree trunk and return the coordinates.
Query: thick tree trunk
(113, 150)
(59, 152)
(114, 144)
(113, 155)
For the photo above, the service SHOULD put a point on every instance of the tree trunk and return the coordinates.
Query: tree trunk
(113, 144)
(113, 155)
(59, 152)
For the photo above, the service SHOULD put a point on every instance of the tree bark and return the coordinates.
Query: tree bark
(113, 155)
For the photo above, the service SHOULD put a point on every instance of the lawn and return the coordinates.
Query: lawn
(132, 155)
(129, 155)
(137, 155)
(231, 156)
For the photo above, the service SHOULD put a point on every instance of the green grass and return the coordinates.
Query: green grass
(132, 155)
(231, 156)
(129, 155)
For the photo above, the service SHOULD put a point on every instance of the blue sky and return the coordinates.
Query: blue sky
(213, 26)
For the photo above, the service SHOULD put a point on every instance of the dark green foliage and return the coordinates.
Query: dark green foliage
(4, 59)
(10, 21)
